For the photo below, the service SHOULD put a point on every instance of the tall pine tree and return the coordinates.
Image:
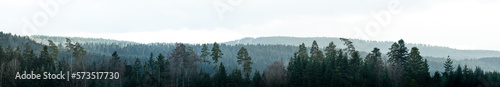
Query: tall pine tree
(216, 53)
(316, 53)
(245, 59)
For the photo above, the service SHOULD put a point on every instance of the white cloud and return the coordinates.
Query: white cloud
(459, 25)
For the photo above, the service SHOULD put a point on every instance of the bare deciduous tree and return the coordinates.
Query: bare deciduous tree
(276, 74)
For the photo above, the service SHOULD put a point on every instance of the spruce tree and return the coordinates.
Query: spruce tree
(354, 69)
(373, 69)
(115, 59)
(448, 67)
(331, 64)
(398, 54)
(417, 68)
(236, 79)
(436, 79)
(295, 68)
(137, 71)
(221, 76)
(458, 77)
(257, 79)
(45, 57)
(164, 69)
(29, 57)
(343, 69)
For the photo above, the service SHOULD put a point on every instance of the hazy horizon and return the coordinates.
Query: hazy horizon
(407, 42)
(462, 24)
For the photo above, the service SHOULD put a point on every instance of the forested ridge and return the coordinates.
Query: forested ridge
(362, 45)
(367, 45)
(61, 40)
(265, 50)
(220, 65)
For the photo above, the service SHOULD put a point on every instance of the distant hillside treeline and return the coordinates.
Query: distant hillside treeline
(364, 45)
(265, 50)
(61, 40)
(16, 41)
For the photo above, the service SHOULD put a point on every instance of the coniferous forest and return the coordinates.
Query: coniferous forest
(219, 65)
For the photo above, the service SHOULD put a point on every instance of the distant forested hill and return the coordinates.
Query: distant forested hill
(61, 40)
(264, 51)
(98, 49)
(364, 45)
(15, 41)
(488, 63)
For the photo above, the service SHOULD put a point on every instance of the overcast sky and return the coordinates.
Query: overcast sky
(462, 24)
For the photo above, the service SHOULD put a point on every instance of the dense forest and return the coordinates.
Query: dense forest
(265, 50)
(219, 65)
